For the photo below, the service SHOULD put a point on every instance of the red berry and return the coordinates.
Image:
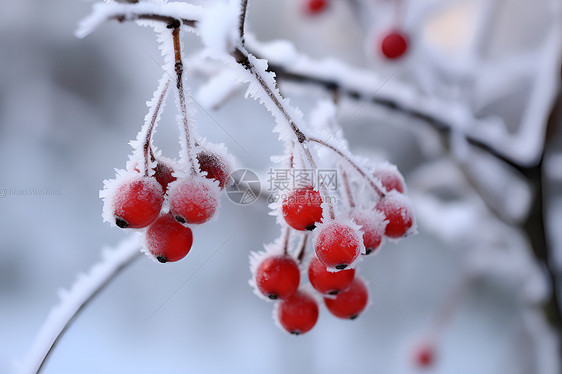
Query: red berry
(215, 166)
(302, 208)
(424, 356)
(397, 210)
(350, 303)
(337, 245)
(316, 6)
(298, 314)
(394, 44)
(372, 226)
(168, 240)
(137, 202)
(193, 200)
(327, 282)
(390, 178)
(163, 174)
(278, 277)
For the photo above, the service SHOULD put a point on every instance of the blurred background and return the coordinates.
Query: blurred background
(469, 282)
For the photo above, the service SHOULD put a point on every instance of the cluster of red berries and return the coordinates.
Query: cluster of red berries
(338, 244)
(165, 199)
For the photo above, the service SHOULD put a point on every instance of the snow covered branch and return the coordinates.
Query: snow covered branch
(74, 300)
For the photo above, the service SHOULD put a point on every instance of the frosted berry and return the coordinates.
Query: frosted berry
(373, 226)
(424, 356)
(315, 6)
(394, 44)
(298, 314)
(350, 303)
(390, 178)
(168, 240)
(337, 245)
(327, 282)
(193, 200)
(163, 174)
(215, 166)
(397, 210)
(137, 202)
(278, 277)
(302, 208)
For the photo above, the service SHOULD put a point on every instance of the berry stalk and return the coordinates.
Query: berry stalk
(178, 67)
(353, 164)
(147, 148)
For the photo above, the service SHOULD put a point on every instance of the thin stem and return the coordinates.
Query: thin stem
(398, 13)
(148, 152)
(178, 67)
(347, 188)
(450, 304)
(359, 169)
(286, 236)
(302, 249)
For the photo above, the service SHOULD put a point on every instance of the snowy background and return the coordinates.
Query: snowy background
(68, 108)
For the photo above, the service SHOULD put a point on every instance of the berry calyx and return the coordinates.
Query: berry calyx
(313, 7)
(302, 208)
(326, 282)
(137, 202)
(193, 199)
(337, 245)
(298, 314)
(278, 277)
(394, 44)
(398, 211)
(168, 240)
(390, 178)
(373, 224)
(163, 174)
(216, 167)
(349, 303)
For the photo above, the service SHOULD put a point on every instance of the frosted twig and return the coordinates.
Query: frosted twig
(153, 115)
(73, 301)
(243, 10)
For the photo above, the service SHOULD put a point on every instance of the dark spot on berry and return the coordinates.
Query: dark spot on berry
(310, 227)
(354, 316)
(368, 250)
(295, 332)
(162, 259)
(180, 219)
(341, 266)
(334, 292)
(120, 222)
(272, 296)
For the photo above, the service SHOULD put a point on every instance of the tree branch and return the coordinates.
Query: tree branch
(75, 300)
